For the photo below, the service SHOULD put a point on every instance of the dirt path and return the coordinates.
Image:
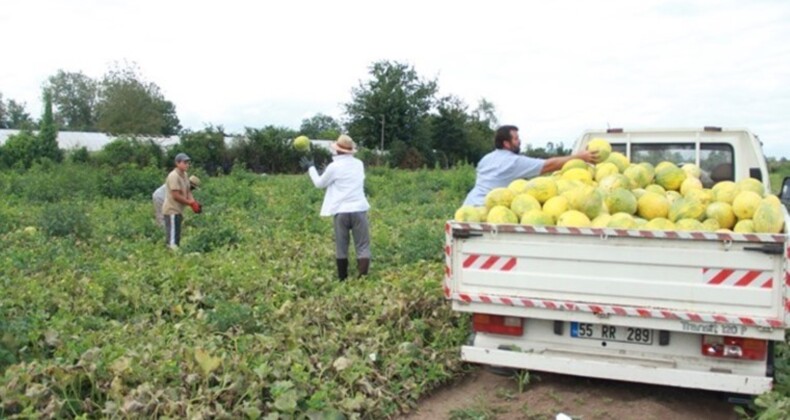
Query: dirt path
(483, 395)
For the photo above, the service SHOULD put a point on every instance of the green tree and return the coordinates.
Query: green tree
(74, 97)
(19, 150)
(268, 150)
(486, 112)
(480, 140)
(320, 126)
(3, 113)
(130, 105)
(450, 135)
(459, 136)
(170, 125)
(394, 101)
(550, 150)
(207, 149)
(47, 140)
(17, 117)
(131, 151)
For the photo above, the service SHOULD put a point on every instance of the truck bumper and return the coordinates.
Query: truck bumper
(633, 370)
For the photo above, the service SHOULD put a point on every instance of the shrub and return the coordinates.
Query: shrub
(129, 181)
(206, 148)
(47, 182)
(80, 155)
(214, 233)
(19, 150)
(268, 150)
(65, 219)
(227, 315)
(141, 152)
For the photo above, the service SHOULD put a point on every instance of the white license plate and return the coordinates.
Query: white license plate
(612, 333)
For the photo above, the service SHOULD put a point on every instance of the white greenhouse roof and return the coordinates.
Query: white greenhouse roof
(95, 141)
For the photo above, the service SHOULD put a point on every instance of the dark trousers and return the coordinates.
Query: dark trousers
(173, 229)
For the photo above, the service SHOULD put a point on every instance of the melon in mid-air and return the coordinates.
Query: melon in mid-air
(302, 143)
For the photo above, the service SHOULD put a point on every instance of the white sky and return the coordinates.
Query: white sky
(554, 68)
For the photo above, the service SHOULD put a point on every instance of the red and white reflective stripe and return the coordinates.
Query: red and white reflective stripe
(737, 278)
(488, 262)
(448, 252)
(619, 310)
(787, 286)
(554, 230)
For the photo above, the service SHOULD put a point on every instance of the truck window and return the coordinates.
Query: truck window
(655, 153)
(715, 160)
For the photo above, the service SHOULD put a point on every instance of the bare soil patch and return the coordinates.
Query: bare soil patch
(485, 395)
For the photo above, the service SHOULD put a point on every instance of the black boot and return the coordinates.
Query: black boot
(363, 265)
(342, 268)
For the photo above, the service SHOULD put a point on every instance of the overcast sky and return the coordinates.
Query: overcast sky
(554, 68)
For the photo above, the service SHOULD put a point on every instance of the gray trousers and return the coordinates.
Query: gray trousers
(357, 224)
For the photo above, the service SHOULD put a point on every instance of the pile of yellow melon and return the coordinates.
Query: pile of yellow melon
(618, 194)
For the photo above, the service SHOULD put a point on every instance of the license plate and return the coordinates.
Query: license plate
(612, 333)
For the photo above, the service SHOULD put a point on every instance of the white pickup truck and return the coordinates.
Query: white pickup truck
(688, 309)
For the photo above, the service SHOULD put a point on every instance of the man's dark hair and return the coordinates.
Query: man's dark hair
(503, 134)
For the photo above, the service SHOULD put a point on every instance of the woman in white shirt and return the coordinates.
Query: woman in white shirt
(344, 200)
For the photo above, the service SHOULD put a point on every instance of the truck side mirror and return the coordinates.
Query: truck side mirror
(784, 193)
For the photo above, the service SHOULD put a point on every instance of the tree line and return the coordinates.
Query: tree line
(396, 116)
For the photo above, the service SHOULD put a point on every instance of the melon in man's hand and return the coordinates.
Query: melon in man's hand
(603, 148)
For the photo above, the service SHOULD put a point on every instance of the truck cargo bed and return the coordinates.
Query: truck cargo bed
(731, 283)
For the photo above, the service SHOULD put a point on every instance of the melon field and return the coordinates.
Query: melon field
(246, 320)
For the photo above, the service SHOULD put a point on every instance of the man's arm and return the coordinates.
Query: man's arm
(182, 198)
(555, 163)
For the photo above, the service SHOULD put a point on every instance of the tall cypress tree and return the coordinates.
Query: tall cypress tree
(48, 134)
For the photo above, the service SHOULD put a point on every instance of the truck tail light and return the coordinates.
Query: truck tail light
(734, 347)
(498, 324)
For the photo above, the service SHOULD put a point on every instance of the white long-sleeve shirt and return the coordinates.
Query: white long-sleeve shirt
(160, 193)
(344, 180)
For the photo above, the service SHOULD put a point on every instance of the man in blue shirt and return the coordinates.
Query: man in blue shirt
(506, 164)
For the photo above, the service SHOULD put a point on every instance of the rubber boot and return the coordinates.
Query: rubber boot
(363, 264)
(342, 268)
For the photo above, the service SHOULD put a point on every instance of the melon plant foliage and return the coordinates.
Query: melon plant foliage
(246, 321)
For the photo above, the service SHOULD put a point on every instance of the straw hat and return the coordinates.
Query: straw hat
(344, 144)
(195, 182)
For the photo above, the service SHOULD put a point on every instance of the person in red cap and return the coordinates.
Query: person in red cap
(344, 181)
(178, 194)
